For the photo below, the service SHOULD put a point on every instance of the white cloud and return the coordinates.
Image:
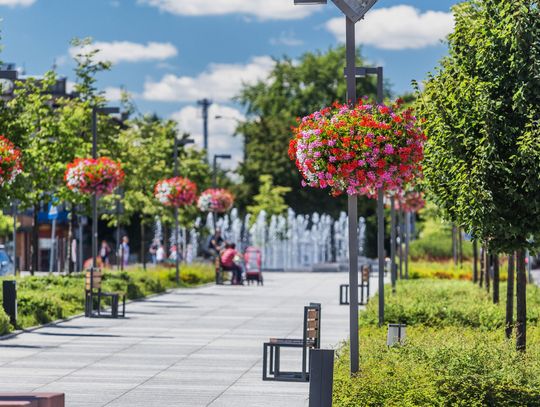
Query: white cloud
(397, 28)
(220, 131)
(125, 51)
(15, 3)
(262, 9)
(219, 82)
(113, 94)
(287, 38)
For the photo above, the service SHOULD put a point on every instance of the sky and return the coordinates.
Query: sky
(168, 54)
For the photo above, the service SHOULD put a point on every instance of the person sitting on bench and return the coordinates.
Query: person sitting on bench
(227, 263)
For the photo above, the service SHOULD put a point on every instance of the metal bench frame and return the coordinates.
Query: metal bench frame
(311, 340)
(93, 290)
(344, 288)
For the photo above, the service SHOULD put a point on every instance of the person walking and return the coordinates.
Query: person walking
(104, 253)
(124, 251)
(153, 251)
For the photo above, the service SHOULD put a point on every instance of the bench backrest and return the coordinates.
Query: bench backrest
(312, 326)
(93, 280)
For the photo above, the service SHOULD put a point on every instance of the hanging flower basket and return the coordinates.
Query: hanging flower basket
(357, 150)
(215, 200)
(10, 161)
(412, 201)
(176, 192)
(99, 176)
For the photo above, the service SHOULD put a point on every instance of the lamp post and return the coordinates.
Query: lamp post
(95, 112)
(183, 142)
(205, 105)
(354, 10)
(214, 166)
(214, 177)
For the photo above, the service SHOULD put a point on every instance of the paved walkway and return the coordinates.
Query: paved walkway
(191, 347)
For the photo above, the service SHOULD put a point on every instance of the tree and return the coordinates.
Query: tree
(269, 199)
(294, 89)
(482, 110)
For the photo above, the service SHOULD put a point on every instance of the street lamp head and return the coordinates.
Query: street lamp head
(186, 141)
(355, 10)
(223, 156)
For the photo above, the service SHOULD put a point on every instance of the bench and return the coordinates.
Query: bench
(311, 340)
(364, 284)
(32, 399)
(93, 291)
(222, 275)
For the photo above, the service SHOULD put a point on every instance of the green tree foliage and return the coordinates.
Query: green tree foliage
(269, 199)
(483, 110)
(295, 88)
(482, 107)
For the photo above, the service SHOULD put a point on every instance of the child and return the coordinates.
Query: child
(227, 262)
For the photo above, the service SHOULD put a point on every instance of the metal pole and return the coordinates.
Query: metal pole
(353, 209)
(53, 245)
(177, 260)
(118, 243)
(401, 238)
(94, 196)
(407, 242)
(80, 261)
(214, 170)
(15, 259)
(205, 103)
(393, 268)
(380, 216)
(380, 251)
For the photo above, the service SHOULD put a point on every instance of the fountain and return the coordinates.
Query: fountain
(287, 242)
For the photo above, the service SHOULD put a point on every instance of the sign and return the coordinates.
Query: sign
(53, 212)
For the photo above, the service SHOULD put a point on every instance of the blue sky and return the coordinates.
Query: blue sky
(169, 53)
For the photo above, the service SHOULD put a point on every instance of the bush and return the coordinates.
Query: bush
(446, 270)
(435, 243)
(5, 326)
(440, 367)
(441, 303)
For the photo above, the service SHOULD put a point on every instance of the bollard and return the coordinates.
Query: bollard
(321, 377)
(9, 291)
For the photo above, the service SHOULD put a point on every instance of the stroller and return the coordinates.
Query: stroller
(253, 261)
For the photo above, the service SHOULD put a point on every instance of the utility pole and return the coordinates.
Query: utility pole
(205, 104)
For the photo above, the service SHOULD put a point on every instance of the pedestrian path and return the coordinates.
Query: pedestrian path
(190, 347)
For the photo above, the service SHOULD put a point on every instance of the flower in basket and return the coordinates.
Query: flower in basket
(176, 192)
(412, 201)
(88, 175)
(358, 149)
(215, 200)
(10, 161)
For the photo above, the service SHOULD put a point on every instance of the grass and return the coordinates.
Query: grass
(44, 299)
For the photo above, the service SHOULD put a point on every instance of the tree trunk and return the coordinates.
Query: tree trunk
(521, 303)
(475, 261)
(71, 236)
(482, 266)
(510, 297)
(143, 247)
(496, 279)
(35, 241)
(460, 247)
(454, 245)
(488, 269)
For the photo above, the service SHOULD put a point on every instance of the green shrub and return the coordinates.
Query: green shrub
(440, 303)
(440, 367)
(5, 326)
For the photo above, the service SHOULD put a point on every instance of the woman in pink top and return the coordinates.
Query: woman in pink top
(227, 262)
